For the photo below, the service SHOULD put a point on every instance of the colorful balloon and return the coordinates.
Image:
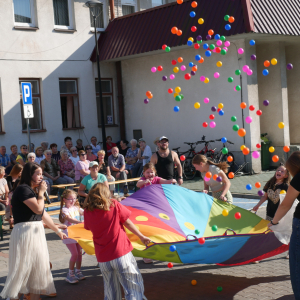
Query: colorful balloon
(170, 91)
(179, 32)
(286, 149)
(253, 57)
(267, 63)
(206, 100)
(182, 157)
(259, 112)
(255, 154)
(153, 69)
(211, 117)
(231, 20)
(159, 68)
(266, 102)
(237, 72)
(281, 125)
(208, 174)
(248, 120)
(231, 175)
(220, 105)
(274, 61)
(180, 59)
(219, 64)
(289, 66)
(237, 215)
(205, 124)
(206, 80)
(240, 51)
(212, 124)
(146, 101)
(275, 158)
(200, 21)
(172, 76)
(252, 107)
(197, 105)
(271, 149)
(176, 70)
(219, 43)
(201, 241)
(164, 78)
(192, 14)
(227, 44)
(176, 108)
(265, 72)
(225, 212)
(249, 187)
(193, 28)
(235, 127)
(229, 158)
(194, 4)
(183, 68)
(246, 151)
(187, 76)
(243, 105)
(257, 185)
(217, 75)
(233, 118)
(241, 132)
(227, 27)
(170, 265)
(194, 282)
(252, 42)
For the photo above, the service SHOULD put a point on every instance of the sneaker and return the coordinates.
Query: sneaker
(79, 276)
(71, 278)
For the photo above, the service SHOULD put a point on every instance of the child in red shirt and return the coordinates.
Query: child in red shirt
(105, 218)
(150, 178)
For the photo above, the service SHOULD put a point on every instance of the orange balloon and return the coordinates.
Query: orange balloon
(246, 151)
(231, 19)
(201, 60)
(180, 59)
(231, 175)
(174, 30)
(208, 175)
(179, 32)
(179, 1)
(150, 96)
(211, 32)
(243, 105)
(267, 63)
(257, 185)
(230, 158)
(286, 149)
(148, 93)
(241, 132)
(215, 177)
(275, 158)
(194, 68)
(194, 4)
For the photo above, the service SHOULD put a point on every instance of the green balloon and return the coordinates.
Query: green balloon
(223, 52)
(199, 42)
(230, 79)
(233, 118)
(225, 150)
(226, 18)
(236, 127)
(212, 47)
(178, 98)
(219, 289)
(238, 88)
(197, 231)
(168, 49)
(214, 228)
(181, 96)
(223, 38)
(238, 72)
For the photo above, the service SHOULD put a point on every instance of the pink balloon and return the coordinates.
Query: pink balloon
(225, 48)
(234, 89)
(183, 68)
(172, 76)
(217, 75)
(153, 69)
(214, 50)
(248, 119)
(241, 51)
(227, 44)
(255, 154)
(249, 72)
(206, 179)
(212, 124)
(245, 68)
(219, 43)
(202, 78)
(206, 100)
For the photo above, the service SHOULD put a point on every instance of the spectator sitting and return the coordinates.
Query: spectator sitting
(74, 157)
(145, 155)
(91, 179)
(67, 168)
(68, 145)
(39, 155)
(109, 145)
(51, 169)
(123, 147)
(116, 163)
(156, 143)
(131, 155)
(14, 176)
(44, 145)
(79, 145)
(14, 154)
(89, 154)
(3, 192)
(31, 157)
(55, 153)
(82, 167)
(95, 148)
(22, 157)
(5, 160)
(31, 147)
(105, 170)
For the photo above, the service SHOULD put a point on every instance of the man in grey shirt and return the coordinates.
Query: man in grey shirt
(116, 162)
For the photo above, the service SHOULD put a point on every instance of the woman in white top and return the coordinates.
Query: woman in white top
(214, 177)
(39, 155)
(147, 153)
(74, 157)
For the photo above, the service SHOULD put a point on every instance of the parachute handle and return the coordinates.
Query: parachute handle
(225, 233)
(187, 237)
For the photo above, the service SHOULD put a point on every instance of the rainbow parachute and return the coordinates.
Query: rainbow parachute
(170, 215)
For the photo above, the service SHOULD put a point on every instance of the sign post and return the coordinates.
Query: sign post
(27, 107)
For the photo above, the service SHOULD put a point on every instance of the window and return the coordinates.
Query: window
(24, 13)
(127, 9)
(1, 129)
(101, 17)
(36, 122)
(63, 16)
(137, 134)
(157, 2)
(69, 102)
(107, 97)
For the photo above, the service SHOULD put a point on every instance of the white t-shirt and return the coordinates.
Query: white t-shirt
(213, 184)
(74, 159)
(39, 159)
(95, 149)
(147, 152)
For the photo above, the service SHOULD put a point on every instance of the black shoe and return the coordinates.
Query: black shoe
(125, 191)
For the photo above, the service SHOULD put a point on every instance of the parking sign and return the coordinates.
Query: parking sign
(26, 93)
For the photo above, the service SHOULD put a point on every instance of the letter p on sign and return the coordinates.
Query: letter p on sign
(26, 93)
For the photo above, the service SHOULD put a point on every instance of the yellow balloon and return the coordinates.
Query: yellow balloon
(197, 105)
(281, 125)
(176, 70)
(242, 147)
(175, 94)
(220, 105)
(200, 21)
(177, 89)
(274, 61)
(271, 149)
(191, 39)
(219, 64)
(206, 80)
(282, 192)
(225, 213)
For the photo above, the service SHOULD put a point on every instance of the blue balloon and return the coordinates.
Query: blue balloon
(176, 108)
(221, 112)
(217, 37)
(224, 140)
(227, 27)
(197, 57)
(205, 46)
(191, 64)
(208, 53)
(192, 14)
(189, 43)
(252, 42)
(172, 248)
(249, 187)
(265, 72)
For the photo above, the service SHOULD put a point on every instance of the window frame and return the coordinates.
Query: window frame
(163, 2)
(71, 17)
(105, 18)
(33, 16)
(71, 95)
(111, 94)
(42, 129)
(129, 4)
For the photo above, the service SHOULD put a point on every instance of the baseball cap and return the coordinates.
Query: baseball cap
(163, 138)
(141, 140)
(93, 163)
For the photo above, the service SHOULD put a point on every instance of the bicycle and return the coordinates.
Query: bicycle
(220, 157)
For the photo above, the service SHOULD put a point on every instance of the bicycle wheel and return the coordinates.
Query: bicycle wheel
(189, 171)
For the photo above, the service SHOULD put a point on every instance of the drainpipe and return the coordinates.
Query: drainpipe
(120, 100)
(112, 9)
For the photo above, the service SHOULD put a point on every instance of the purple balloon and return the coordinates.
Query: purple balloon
(193, 73)
(266, 102)
(289, 66)
(261, 193)
(213, 108)
(253, 57)
(164, 78)
(146, 101)
(219, 179)
(208, 37)
(199, 38)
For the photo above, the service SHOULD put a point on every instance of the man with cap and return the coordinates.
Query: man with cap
(165, 159)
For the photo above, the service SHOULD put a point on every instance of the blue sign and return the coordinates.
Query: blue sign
(26, 93)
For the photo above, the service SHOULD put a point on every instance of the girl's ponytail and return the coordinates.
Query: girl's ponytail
(199, 158)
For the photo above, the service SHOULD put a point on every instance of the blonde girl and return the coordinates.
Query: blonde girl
(220, 186)
(70, 213)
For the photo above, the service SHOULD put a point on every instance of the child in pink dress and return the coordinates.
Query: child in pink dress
(150, 178)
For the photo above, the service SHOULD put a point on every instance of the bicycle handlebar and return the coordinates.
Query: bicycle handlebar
(189, 143)
(219, 140)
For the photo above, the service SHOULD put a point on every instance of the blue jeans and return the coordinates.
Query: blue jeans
(295, 258)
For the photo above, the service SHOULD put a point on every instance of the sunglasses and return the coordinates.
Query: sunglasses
(24, 148)
(82, 154)
(94, 140)
(74, 151)
(88, 148)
